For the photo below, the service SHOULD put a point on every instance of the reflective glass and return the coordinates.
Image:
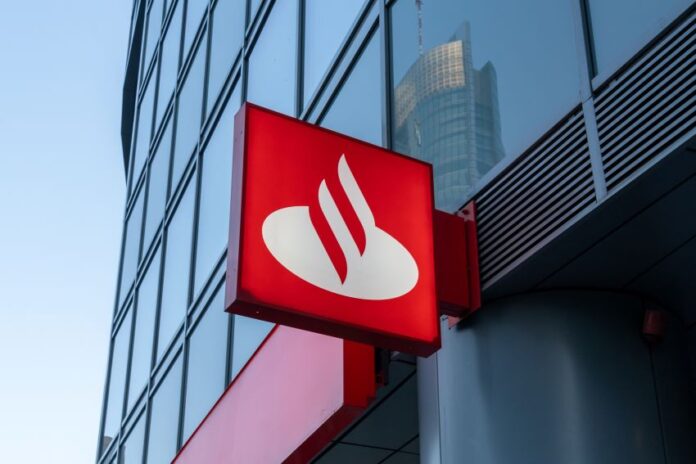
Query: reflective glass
(154, 27)
(477, 80)
(143, 334)
(357, 109)
(621, 27)
(254, 5)
(169, 61)
(326, 25)
(188, 124)
(132, 449)
(176, 270)
(206, 363)
(164, 418)
(195, 9)
(131, 249)
(248, 335)
(227, 34)
(214, 210)
(272, 62)
(142, 137)
(117, 381)
(157, 189)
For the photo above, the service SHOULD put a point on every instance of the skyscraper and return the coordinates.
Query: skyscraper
(446, 113)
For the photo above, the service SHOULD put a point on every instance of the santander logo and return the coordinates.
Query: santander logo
(336, 245)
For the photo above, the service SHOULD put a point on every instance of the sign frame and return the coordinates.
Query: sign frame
(239, 300)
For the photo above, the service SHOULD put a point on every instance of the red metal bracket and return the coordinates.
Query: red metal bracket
(456, 262)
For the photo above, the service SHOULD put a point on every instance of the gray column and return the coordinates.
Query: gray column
(556, 377)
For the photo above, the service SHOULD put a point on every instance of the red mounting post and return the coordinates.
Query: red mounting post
(456, 262)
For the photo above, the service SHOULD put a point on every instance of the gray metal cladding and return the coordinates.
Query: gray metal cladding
(649, 106)
(531, 201)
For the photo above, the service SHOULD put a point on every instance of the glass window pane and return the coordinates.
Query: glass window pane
(142, 137)
(132, 449)
(357, 109)
(117, 381)
(188, 124)
(214, 210)
(131, 249)
(164, 418)
(248, 335)
(154, 27)
(176, 270)
(227, 34)
(195, 9)
(254, 5)
(169, 61)
(206, 363)
(272, 62)
(157, 189)
(143, 335)
(621, 27)
(326, 25)
(481, 79)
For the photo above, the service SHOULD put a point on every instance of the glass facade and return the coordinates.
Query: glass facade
(143, 333)
(117, 380)
(157, 185)
(144, 131)
(164, 416)
(207, 352)
(357, 108)
(216, 175)
(640, 21)
(272, 65)
(152, 31)
(170, 54)
(175, 282)
(227, 34)
(134, 445)
(466, 85)
(473, 83)
(326, 26)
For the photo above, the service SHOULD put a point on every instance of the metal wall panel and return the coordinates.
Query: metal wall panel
(548, 378)
(677, 405)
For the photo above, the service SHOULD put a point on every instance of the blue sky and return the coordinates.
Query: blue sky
(61, 203)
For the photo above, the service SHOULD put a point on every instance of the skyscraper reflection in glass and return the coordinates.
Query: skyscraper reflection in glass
(446, 113)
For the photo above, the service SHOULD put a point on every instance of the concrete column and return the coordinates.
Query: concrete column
(558, 377)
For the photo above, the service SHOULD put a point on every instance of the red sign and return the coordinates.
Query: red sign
(331, 234)
(292, 398)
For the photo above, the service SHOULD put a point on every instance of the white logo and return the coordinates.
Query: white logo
(383, 270)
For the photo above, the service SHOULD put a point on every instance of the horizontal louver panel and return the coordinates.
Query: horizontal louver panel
(534, 198)
(649, 106)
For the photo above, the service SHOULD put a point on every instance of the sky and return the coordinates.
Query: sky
(61, 205)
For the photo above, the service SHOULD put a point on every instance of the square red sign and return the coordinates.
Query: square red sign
(331, 234)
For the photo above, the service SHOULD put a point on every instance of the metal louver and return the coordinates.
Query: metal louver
(649, 106)
(530, 202)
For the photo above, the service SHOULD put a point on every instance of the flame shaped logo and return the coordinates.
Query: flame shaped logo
(336, 245)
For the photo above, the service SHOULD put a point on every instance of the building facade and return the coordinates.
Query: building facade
(446, 113)
(571, 123)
